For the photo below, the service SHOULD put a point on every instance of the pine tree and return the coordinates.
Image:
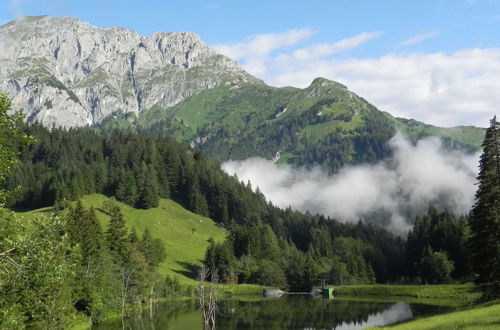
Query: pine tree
(152, 248)
(117, 238)
(126, 190)
(148, 196)
(485, 216)
(133, 238)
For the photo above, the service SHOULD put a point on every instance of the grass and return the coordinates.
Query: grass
(241, 290)
(462, 296)
(184, 233)
(466, 293)
(316, 132)
(483, 316)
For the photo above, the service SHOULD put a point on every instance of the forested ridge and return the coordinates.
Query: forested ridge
(324, 124)
(264, 245)
(139, 168)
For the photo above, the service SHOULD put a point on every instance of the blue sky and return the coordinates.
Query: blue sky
(459, 23)
(437, 61)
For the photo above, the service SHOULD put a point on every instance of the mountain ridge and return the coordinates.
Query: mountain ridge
(66, 72)
(309, 126)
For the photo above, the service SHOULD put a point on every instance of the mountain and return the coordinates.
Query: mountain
(323, 124)
(65, 72)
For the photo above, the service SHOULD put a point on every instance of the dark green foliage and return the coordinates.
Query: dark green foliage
(118, 275)
(300, 272)
(85, 233)
(485, 216)
(269, 273)
(139, 168)
(126, 190)
(435, 267)
(152, 249)
(117, 239)
(85, 230)
(441, 231)
(220, 256)
(11, 139)
(148, 194)
(323, 124)
(367, 144)
(37, 288)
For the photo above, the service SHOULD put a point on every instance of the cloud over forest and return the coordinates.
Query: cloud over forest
(391, 191)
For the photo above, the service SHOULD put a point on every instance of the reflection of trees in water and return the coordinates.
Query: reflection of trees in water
(297, 312)
(418, 309)
(294, 312)
(165, 316)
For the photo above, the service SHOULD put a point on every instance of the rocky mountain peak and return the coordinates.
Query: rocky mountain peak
(66, 72)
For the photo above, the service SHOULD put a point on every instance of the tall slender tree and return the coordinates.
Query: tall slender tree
(117, 238)
(485, 216)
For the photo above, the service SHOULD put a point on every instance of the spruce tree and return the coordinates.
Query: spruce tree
(485, 216)
(117, 238)
(148, 196)
(126, 190)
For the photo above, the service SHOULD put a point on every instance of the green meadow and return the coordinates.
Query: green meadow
(185, 234)
(482, 316)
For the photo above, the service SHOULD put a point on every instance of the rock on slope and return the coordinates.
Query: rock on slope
(64, 72)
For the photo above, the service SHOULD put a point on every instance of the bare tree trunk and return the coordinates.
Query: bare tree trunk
(126, 277)
(202, 277)
(208, 310)
(212, 304)
(4, 256)
(151, 293)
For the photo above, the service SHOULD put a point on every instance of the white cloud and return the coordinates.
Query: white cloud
(399, 188)
(440, 89)
(261, 45)
(459, 88)
(256, 54)
(253, 52)
(325, 49)
(418, 39)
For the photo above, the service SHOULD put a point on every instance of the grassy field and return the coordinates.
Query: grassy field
(460, 296)
(483, 316)
(184, 233)
(466, 293)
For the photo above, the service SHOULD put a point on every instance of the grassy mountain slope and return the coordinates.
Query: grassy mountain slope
(290, 124)
(184, 233)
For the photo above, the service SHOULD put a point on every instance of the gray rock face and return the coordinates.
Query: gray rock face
(65, 72)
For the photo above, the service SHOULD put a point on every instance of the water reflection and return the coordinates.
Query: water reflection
(398, 312)
(287, 312)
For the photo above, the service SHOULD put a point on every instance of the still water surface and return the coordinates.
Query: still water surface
(288, 312)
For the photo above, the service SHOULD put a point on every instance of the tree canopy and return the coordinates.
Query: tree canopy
(485, 215)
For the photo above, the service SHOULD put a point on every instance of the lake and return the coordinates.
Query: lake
(287, 312)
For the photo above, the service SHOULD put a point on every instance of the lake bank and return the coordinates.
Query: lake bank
(463, 297)
(463, 292)
(481, 316)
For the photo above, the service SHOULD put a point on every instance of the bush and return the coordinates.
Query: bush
(435, 267)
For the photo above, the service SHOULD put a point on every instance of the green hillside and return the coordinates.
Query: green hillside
(184, 233)
(324, 124)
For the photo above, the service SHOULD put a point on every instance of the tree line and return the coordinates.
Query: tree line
(264, 244)
(140, 168)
